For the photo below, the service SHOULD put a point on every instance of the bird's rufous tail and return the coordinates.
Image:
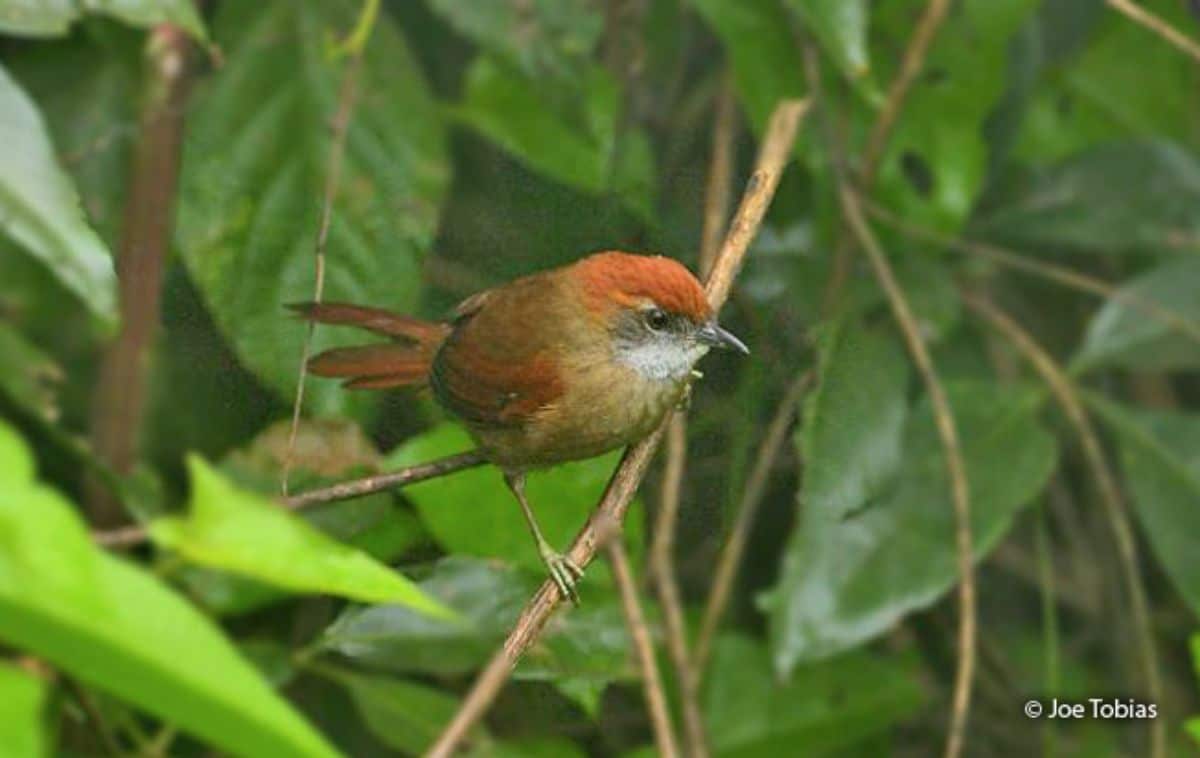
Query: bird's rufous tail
(403, 362)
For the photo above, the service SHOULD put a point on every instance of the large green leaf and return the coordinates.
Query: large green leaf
(1122, 197)
(473, 512)
(841, 28)
(40, 18)
(577, 140)
(546, 39)
(118, 628)
(1123, 336)
(937, 159)
(22, 698)
(1160, 456)
(848, 577)
(589, 644)
(40, 209)
(825, 706)
(244, 533)
(762, 52)
(253, 174)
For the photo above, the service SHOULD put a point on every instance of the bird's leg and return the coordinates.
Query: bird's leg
(563, 570)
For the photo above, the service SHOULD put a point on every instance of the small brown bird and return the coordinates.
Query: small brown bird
(557, 366)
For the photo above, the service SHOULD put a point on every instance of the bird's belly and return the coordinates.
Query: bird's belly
(604, 411)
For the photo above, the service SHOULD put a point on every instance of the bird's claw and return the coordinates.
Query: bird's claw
(565, 573)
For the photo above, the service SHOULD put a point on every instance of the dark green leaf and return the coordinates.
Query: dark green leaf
(1126, 337)
(244, 533)
(254, 169)
(118, 628)
(473, 512)
(827, 705)
(27, 375)
(848, 577)
(40, 209)
(841, 28)
(1160, 456)
(22, 699)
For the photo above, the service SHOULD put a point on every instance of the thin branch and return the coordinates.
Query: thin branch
(120, 398)
(643, 646)
(752, 496)
(760, 189)
(134, 535)
(720, 176)
(910, 65)
(340, 126)
(1068, 397)
(1063, 275)
(956, 469)
(1159, 26)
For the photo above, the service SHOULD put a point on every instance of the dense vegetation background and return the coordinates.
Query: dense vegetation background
(1035, 192)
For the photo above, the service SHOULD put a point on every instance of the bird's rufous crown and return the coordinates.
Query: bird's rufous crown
(627, 280)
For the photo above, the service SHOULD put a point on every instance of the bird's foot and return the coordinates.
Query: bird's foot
(564, 571)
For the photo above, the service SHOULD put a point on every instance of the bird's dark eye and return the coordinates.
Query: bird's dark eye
(657, 319)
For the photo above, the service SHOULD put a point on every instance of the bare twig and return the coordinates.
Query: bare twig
(1159, 26)
(956, 469)
(756, 487)
(720, 176)
(134, 535)
(760, 189)
(1068, 397)
(1063, 275)
(639, 633)
(910, 65)
(120, 397)
(340, 126)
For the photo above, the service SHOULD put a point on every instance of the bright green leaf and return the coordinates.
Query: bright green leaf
(1125, 337)
(118, 628)
(848, 577)
(244, 533)
(841, 28)
(826, 706)
(40, 209)
(254, 170)
(37, 18)
(46, 18)
(22, 699)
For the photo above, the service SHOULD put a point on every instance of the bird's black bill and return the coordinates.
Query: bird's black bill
(712, 334)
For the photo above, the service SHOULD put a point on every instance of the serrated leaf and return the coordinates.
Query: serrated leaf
(1160, 457)
(254, 171)
(244, 533)
(1123, 336)
(841, 28)
(39, 207)
(22, 700)
(119, 629)
(848, 578)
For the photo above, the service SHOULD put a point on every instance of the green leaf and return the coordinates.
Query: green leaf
(841, 28)
(762, 52)
(473, 512)
(254, 171)
(849, 577)
(826, 706)
(1125, 337)
(1160, 456)
(40, 209)
(22, 700)
(587, 645)
(578, 143)
(1119, 198)
(49, 18)
(936, 161)
(27, 375)
(37, 18)
(244, 533)
(118, 628)
(149, 13)
(850, 436)
(545, 40)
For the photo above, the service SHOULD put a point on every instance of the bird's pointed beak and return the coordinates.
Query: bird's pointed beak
(712, 334)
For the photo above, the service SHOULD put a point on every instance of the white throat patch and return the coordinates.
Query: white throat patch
(661, 359)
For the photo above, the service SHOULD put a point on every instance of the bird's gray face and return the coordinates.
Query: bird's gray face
(664, 346)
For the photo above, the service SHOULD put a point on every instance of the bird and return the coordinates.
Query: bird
(559, 365)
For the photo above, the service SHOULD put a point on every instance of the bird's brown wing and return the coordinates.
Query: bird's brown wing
(496, 368)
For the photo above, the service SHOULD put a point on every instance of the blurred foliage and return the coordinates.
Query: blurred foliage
(490, 139)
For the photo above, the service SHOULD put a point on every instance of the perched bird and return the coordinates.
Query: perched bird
(557, 366)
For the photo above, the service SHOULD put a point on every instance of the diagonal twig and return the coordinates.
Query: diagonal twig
(1068, 397)
(760, 189)
(1159, 26)
(955, 467)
